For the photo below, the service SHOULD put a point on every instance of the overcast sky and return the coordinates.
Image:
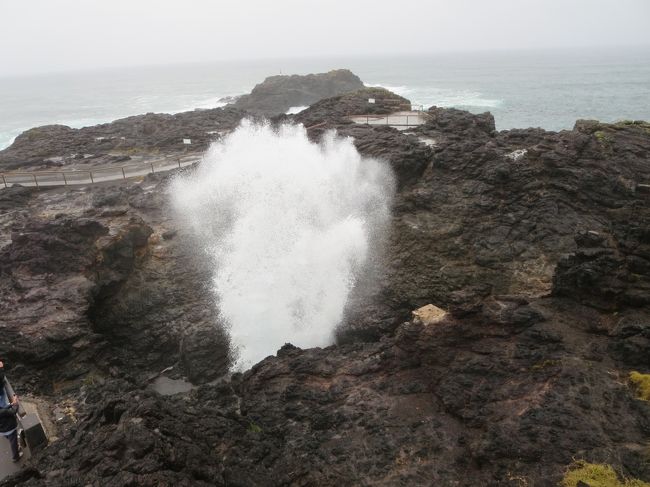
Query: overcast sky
(60, 35)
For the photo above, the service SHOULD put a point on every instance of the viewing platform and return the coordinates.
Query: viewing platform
(401, 120)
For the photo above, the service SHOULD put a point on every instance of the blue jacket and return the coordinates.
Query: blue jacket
(8, 418)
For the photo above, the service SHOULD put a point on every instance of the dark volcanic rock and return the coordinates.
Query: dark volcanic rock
(609, 271)
(103, 290)
(335, 111)
(276, 94)
(155, 133)
(140, 134)
(452, 404)
(480, 213)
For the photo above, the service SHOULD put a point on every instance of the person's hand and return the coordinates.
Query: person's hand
(1, 364)
(14, 401)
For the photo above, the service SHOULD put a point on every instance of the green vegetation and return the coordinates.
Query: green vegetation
(544, 364)
(604, 139)
(254, 428)
(641, 384)
(597, 475)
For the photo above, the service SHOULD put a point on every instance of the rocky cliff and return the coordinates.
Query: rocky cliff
(161, 134)
(276, 94)
(535, 243)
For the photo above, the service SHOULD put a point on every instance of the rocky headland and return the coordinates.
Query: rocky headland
(534, 245)
(159, 134)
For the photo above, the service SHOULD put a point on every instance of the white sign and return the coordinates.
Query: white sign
(371, 100)
(187, 141)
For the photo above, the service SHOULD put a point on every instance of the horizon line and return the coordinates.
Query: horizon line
(253, 60)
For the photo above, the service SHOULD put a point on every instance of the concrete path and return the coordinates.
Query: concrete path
(74, 177)
(93, 175)
(7, 466)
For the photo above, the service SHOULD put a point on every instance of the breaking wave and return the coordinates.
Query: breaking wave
(443, 97)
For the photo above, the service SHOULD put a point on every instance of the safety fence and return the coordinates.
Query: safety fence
(400, 120)
(94, 175)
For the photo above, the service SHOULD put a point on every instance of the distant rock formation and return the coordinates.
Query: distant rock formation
(279, 93)
(45, 147)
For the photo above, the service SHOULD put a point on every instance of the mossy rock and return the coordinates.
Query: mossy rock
(604, 139)
(597, 475)
(641, 384)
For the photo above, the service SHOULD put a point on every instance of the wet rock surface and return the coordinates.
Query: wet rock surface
(479, 400)
(534, 245)
(124, 141)
(88, 292)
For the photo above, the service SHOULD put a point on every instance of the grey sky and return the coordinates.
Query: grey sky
(58, 35)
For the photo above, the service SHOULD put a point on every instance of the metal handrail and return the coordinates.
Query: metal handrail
(388, 117)
(125, 166)
(99, 173)
(389, 101)
(147, 168)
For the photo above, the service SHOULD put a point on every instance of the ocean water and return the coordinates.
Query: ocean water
(548, 89)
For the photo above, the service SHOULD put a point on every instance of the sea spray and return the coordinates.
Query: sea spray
(287, 225)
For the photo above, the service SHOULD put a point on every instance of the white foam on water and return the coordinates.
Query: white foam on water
(442, 97)
(399, 90)
(286, 225)
(294, 110)
(461, 99)
(7, 138)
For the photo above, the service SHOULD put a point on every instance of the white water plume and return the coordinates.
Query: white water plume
(287, 225)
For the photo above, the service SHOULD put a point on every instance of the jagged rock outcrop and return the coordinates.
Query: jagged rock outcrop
(336, 111)
(480, 212)
(276, 94)
(55, 146)
(94, 286)
(501, 397)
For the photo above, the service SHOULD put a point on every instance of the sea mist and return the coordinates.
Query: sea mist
(287, 225)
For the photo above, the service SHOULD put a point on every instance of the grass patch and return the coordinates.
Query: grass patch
(545, 364)
(603, 138)
(597, 475)
(641, 384)
(254, 428)
(89, 380)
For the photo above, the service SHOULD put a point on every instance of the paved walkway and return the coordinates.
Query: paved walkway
(7, 466)
(75, 177)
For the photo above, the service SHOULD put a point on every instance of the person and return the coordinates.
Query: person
(8, 422)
